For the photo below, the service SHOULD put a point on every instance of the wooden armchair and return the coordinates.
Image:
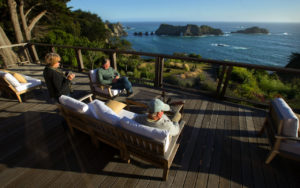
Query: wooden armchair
(100, 89)
(10, 85)
(281, 126)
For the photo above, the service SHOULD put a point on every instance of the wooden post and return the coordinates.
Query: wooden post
(113, 60)
(220, 80)
(53, 49)
(79, 59)
(159, 64)
(33, 53)
(228, 73)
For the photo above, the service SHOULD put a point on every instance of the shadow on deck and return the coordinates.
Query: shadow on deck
(219, 148)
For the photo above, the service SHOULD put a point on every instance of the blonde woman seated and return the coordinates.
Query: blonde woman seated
(57, 82)
(157, 118)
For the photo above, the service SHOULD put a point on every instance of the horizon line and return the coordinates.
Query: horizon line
(296, 22)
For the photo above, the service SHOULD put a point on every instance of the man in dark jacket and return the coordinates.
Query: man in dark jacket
(57, 83)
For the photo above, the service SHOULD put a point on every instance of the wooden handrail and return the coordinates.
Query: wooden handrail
(203, 60)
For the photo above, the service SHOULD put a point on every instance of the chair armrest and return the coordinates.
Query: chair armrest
(86, 96)
(177, 103)
(287, 138)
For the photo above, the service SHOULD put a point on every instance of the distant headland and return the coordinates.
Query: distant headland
(188, 30)
(252, 30)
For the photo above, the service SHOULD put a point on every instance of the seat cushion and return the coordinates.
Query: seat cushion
(128, 114)
(100, 111)
(290, 120)
(105, 91)
(74, 104)
(150, 132)
(31, 82)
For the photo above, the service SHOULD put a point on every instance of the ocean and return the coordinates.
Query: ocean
(272, 49)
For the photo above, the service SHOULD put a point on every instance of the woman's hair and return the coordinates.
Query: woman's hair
(51, 58)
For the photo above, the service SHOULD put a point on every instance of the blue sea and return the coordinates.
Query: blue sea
(272, 49)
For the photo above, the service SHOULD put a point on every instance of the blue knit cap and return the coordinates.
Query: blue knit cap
(156, 105)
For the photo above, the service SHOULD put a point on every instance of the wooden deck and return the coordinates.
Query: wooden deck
(220, 148)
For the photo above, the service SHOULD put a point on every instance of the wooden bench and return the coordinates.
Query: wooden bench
(129, 143)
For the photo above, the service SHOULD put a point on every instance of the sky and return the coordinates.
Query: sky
(192, 10)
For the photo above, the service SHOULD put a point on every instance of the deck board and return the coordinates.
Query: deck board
(219, 148)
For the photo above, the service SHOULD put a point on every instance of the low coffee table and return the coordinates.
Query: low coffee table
(138, 102)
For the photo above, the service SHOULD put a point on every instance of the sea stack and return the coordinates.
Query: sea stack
(188, 30)
(252, 30)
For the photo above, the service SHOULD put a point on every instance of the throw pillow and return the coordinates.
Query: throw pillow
(116, 106)
(19, 77)
(74, 104)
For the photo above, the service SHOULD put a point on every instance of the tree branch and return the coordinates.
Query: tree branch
(29, 10)
(36, 19)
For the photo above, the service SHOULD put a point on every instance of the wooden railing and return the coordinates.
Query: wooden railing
(223, 81)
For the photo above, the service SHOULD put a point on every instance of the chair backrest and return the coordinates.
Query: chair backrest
(282, 120)
(93, 75)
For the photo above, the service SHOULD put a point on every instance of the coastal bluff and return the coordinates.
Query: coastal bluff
(116, 29)
(188, 30)
(252, 30)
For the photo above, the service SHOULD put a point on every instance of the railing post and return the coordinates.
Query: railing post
(159, 64)
(53, 49)
(79, 59)
(33, 53)
(221, 80)
(113, 60)
(228, 74)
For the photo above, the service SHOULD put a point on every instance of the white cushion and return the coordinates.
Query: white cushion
(73, 104)
(150, 132)
(290, 146)
(31, 82)
(105, 91)
(290, 120)
(12, 80)
(128, 114)
(100, 111)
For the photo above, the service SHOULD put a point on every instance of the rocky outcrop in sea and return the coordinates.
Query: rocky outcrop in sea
(252, 30)
(188, 30)
(116, 29)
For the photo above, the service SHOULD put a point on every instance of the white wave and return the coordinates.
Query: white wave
(239, 48)
(285, 33)
(226, 35)
(219, 44)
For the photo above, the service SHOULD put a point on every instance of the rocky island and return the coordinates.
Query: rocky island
(252, 30)
(188, 30)
(116, 29)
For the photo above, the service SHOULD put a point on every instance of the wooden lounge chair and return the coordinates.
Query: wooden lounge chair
(100, 89)
(140, 142)
(10, 85)
(282, 130)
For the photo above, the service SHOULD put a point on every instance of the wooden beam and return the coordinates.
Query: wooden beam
(79, 60)
(228, 74)
(113, 60)
(221, 80)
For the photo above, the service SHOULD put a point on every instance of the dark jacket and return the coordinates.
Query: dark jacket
(56, 82)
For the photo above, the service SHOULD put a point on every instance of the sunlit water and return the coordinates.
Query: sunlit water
(273, 49)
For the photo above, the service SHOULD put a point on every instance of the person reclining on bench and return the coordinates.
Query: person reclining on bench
(109, 76)
(156, 117)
